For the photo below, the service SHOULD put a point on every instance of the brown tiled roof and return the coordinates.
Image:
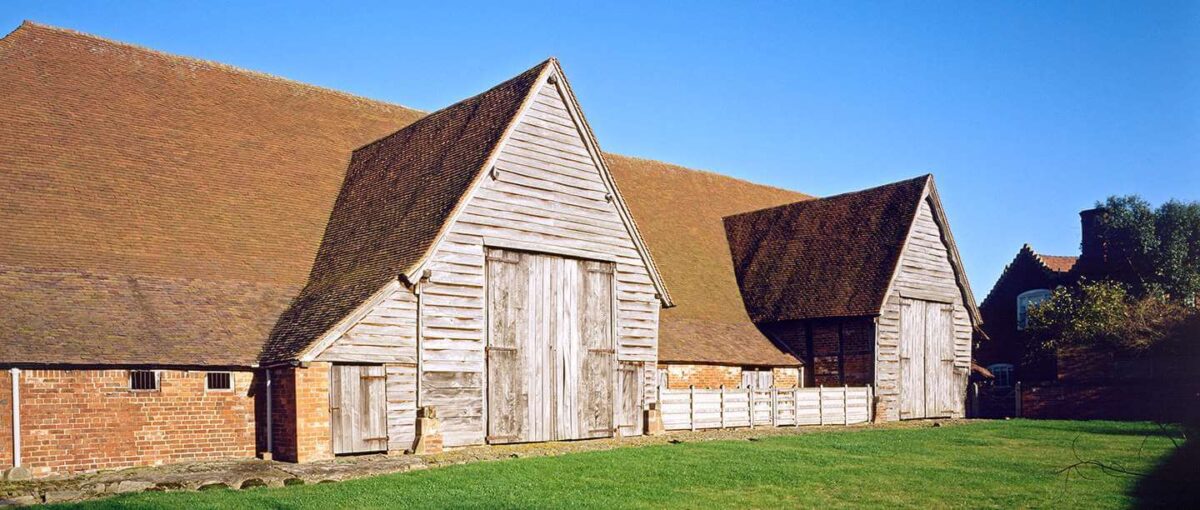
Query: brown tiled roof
(74, 317)
(679, 212)
(124, 162)
(398, 193)
(829, 257)
(1058, 263)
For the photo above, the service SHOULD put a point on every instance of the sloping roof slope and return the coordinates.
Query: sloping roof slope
(89, 318)
(120, 162)
(1058, 263)
(828, 257)
(125, 169)
(398, 193)
(679, 212)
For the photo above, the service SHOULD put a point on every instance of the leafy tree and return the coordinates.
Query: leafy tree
(1153, 251)
(1104, 313)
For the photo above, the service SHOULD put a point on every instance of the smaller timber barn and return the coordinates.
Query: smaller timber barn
(865, 288)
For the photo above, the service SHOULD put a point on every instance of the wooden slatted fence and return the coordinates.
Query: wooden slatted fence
(697, 409)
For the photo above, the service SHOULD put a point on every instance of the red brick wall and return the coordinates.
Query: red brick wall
(1068, 401)
(681, 377)
(300, 419)
(84, 420)
(703, 376)
(786, 377)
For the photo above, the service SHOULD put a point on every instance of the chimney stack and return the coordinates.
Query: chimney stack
(1092, 250)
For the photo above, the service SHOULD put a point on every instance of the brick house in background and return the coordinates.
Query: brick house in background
(1093, 382)
(1026, 281)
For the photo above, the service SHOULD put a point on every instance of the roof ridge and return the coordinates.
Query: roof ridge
(431, 116)
(707, 172)
(815, 199)
(183, 59)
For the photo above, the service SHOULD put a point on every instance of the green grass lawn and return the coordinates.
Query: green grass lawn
(1009, 464)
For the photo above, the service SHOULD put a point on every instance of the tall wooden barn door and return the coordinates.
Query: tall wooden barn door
(926, 359)
(358, 408)
(939, 360)
(551, 357)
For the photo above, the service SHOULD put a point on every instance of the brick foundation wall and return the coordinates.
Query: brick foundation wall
(85, 420)
(786, 377)
(1069, 401)
(703, 376)
(681, 377)
(300, 419)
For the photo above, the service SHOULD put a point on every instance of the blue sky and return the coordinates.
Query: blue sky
(1025, 112)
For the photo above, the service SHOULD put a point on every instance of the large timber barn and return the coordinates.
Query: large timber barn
(202, 262)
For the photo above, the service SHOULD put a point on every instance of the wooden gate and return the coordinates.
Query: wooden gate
(926, 359)
(551, 357)
(358, 408)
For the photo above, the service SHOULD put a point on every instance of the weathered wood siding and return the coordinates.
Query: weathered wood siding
(924, 272)
(546, 195)
(387, 334)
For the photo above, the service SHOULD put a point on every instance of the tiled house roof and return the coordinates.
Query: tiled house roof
(134, 177)
(829, 257)
(140, 186)
(85, 318)
(1058, 263)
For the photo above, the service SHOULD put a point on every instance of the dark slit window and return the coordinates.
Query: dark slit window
(220, 381)
(143, 380)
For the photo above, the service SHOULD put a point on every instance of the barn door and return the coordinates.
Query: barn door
(939, 360)
(358, 408)
(912, 359)
(550, 351)
(515, 407)
(927, 381)
(629, 414)
(593, 391)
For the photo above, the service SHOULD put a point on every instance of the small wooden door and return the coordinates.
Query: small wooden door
(926, 359)
(358, 408)
(551, 357)
(629, 414)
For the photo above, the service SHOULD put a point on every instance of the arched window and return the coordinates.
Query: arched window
(1003, 373)
(1027, 300)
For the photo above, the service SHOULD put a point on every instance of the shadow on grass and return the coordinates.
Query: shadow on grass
(1107, 427)
(1174, 482)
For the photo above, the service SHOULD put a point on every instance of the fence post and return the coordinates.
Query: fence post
(846, 404)
(821, 404)
(722, 406)
(750, 402)
(1017, 395)
(870, 402)
(774, 407)
(692, 405)
(796, 406)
